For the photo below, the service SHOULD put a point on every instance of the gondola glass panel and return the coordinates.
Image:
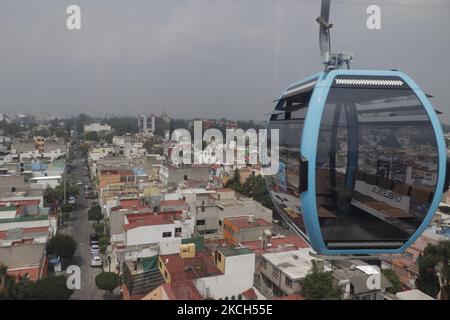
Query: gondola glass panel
(284, 186)
(376, 167)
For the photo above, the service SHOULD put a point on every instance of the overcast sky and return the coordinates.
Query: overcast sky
(203, 58)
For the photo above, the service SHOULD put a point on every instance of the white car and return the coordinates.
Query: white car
(95, 249)
(96, 260)
(71, 200)
(79, 183)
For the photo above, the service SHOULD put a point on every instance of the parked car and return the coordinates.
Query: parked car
(93, 239)
(71, 200)
(96, 260)
(95, 249)
(79, 183)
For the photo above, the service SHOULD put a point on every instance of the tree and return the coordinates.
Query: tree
(3, 274)
(427, 281)
(435, 260)
(67, 207)
(92, 136)
(15, 288)
(254, 186)
(236, 177)
(12, 288)
(99, 228)
(103, 244)
(122, 125)
(56, 195)
(153, 145)
(318, 285)
(107, 281)
(95, 213)
(62, 245)
(84, 148)
(394, 279)
(52, 288)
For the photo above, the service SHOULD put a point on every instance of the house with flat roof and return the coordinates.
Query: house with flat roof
(27, 259)
(140, 234)
(413, 294)
(244, 228)
(225, 275)
(281, 272)
(210, 215)
(181, 290)
(355, 277)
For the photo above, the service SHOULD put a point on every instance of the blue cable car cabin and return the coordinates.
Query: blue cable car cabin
(362, 161)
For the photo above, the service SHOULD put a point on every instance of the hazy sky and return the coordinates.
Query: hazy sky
(203, 58)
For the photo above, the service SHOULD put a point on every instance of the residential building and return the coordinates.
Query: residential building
(413, 294)
(180, 290)
(281, 272)
(97, 127)
(355, 279)
(24, 259)
(244, 228)
(227, 276)
(115, 176)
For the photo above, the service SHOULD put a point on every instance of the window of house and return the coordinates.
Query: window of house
(275, 273)
(201, 222)
(220, 222)
(167, 234)
(288, 282)
(178, 230)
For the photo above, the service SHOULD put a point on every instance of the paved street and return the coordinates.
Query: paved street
(80, 229)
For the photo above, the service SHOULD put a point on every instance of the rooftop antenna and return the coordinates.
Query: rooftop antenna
(331, 61)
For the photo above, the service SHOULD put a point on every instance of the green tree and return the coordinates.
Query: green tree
(84, 148)
(107, 281)
(56, 195)
(3, 274)
(319, 285)
(394, 279)
(92, 136)
(103, 244)
(436, 257)
(236, 177)
(52, 288)
(95, 213)
(16, 288)
(81, 121)
(66, 207)
(62, 245)
(99, 228)
(254, 187)
(153, 145)
(122, 125)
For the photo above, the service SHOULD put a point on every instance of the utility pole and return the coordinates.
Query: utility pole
(64, 180)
